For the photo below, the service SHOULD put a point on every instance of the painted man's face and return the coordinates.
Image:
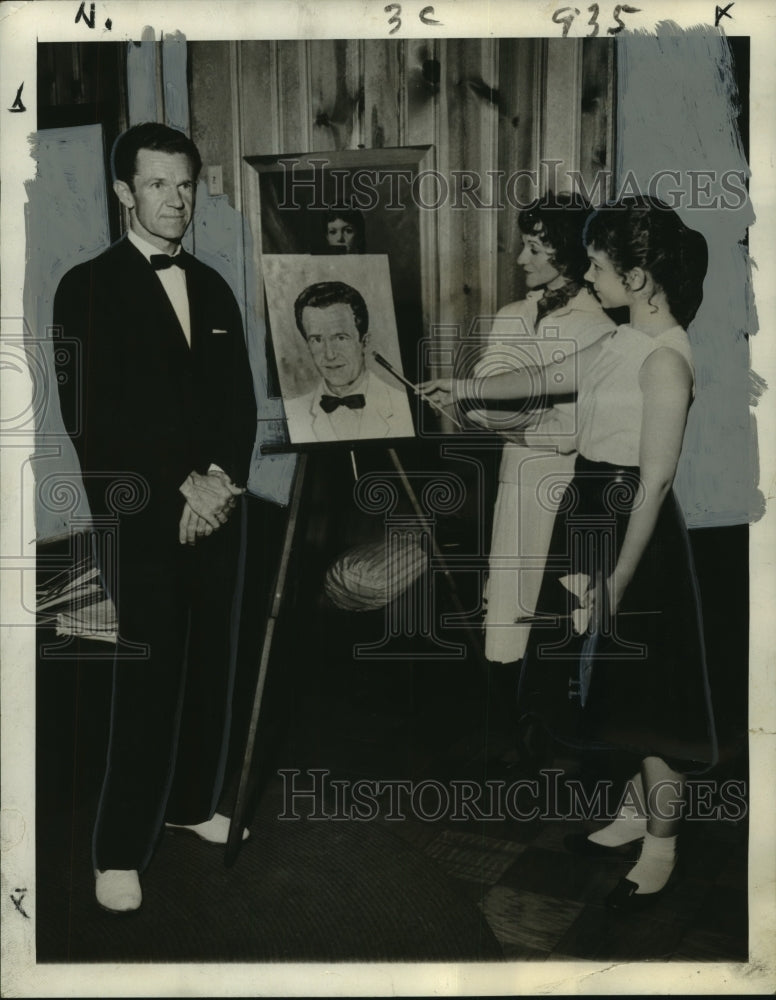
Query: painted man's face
(161, 197)
(335, 346)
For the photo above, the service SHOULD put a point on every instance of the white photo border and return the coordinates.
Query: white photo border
(22, 26)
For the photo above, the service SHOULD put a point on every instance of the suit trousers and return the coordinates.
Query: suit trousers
(171, 708)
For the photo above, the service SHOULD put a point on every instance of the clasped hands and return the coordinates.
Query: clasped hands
(210, 500)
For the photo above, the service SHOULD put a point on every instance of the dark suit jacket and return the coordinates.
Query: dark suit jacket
(149, 404)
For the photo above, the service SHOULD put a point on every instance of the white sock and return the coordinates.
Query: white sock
(625, 828)
(215, 829)
(629, 824)
(655, 864)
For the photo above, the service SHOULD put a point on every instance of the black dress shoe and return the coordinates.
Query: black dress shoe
(579, 844)
(624, 897)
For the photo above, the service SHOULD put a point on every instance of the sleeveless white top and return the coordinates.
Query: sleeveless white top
(610, 402)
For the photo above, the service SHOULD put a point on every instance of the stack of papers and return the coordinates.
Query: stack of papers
(76, 604)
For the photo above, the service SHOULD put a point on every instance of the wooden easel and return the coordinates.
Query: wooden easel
(237, 824)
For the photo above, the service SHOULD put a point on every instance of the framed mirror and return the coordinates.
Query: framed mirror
(357, 202)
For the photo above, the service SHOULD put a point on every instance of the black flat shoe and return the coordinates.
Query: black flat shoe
(624, 897)
(579, 844)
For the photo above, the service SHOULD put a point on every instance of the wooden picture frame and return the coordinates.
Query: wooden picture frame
(288, 196)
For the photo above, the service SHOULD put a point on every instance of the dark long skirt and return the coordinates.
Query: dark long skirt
(644, 681)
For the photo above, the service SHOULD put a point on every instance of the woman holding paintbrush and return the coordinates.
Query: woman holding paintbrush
(558, 313)
(616, 658)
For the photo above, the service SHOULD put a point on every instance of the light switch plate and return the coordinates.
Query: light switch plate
(215, 180)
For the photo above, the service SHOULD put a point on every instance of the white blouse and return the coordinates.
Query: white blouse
(610, 402)
(516, 339)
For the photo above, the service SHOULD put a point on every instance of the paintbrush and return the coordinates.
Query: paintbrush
(549, 617)
(389, 367)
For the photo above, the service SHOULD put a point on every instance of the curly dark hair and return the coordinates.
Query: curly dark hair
(329, 293)
(558, 220)
(353, 217)
(644, 232)
(150, 135)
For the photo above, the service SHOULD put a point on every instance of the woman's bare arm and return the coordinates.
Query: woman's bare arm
(666, 383)
(558, 378)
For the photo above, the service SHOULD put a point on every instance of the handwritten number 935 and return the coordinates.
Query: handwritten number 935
(566, 15)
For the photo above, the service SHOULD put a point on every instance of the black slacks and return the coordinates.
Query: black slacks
(171, 708)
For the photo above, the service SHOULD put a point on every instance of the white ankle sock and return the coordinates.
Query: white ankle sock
(655, 864)
(215, 830)
(629, 824)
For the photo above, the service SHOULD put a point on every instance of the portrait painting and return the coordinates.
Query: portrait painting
(387, 498)
(330, 318)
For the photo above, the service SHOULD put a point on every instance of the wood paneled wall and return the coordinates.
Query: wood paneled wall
(486, 105)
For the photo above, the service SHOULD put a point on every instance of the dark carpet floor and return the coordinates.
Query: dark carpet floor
(299, 891)
(452, 889)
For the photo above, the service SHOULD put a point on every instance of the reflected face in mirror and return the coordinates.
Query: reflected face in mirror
(536, 261)
(340, 233)
(335, 346)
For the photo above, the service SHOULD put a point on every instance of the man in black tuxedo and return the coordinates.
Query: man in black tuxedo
(164, 425)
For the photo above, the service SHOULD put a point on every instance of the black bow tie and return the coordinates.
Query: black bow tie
(355, 402)
(161, 261)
